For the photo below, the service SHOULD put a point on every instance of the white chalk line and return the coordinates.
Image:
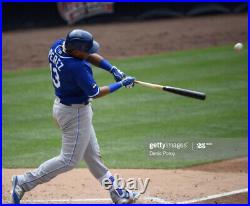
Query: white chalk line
(71, 200)
(210, 197)
(154, 199)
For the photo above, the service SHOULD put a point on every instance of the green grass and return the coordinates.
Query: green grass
(128, 119)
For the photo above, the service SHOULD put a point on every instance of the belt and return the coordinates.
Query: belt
(67, 104)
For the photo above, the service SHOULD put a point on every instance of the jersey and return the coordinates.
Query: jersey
(72, 78)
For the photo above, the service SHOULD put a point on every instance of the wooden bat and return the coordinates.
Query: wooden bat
(175, 90)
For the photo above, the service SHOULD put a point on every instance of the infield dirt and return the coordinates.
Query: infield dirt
(174, 185)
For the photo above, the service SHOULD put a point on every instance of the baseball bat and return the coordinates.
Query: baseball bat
(175, 90)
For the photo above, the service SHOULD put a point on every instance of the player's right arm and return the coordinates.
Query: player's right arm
(105, 90)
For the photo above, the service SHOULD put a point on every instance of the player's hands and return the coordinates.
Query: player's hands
(128, 82)
(118, 74)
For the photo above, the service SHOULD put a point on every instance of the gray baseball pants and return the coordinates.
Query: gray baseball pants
(78, 143)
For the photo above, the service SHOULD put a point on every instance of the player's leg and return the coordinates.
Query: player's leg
(93, 160)
(75, 124)
(92, 157)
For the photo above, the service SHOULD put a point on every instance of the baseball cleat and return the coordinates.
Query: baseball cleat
(17, 192)
(120, 196)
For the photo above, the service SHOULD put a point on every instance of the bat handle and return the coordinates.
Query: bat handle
(145, 84)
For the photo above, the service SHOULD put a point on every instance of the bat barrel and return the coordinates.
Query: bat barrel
(175, 90)
(185, 92)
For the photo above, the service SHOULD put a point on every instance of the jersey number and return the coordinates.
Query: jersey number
(55, 76)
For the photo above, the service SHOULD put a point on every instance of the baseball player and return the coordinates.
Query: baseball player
(74, 86)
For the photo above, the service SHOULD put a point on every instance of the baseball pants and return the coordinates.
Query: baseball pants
(78, 143)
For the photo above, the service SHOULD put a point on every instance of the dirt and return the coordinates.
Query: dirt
(29, 48)
(235, 165)
(175, 185)
(233, 199)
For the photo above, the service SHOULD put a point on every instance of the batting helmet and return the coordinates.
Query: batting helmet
(81, 40)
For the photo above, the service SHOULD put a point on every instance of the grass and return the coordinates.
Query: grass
(129, 119)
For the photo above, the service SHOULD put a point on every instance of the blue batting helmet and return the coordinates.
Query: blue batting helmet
(81, 40)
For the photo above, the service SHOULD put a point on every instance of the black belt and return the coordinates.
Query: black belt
(67, 104)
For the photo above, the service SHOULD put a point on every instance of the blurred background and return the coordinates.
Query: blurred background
(30, 15)
(122, 29)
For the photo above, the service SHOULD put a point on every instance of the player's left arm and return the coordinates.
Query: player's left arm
(103, 63)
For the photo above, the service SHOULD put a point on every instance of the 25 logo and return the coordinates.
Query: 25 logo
(201, 145)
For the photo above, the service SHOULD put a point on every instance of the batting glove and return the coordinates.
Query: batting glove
(128, 82)
(118, 74)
